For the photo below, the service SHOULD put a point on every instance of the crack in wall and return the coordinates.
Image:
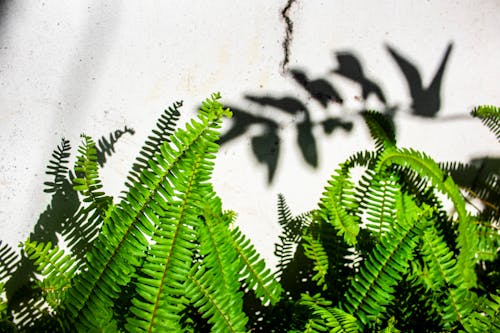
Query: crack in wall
(288, 34)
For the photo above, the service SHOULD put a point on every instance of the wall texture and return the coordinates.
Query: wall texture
(296, 73)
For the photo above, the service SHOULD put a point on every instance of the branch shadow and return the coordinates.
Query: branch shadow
(425, 102)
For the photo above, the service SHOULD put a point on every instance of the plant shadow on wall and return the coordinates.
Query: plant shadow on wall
(66, 216)
(425, 102)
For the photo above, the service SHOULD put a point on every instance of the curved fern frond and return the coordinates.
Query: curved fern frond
(161, 203)
(427, 168)
(213, 302)
(332, 319)
(336, 203)
(313, 249)
(56, 267)
(490, 116)
(57, 167)
(381, 129)
(373, 290)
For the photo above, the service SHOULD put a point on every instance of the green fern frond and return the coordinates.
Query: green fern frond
(211, 298)
(253, 270)
(165, 127)
(57, 167)
(336, 203)
(378, 202)
(56, 267)
(373, 289)
(446, 278)
(381, 129)
(487, 317)
(163, 274)
(162, 202)
(215, 250)
(217, 253)
(490, 116)
(83, 227)
(87, 180)
(332, 319)
(488, 191)
(427, 168)
(313, 249)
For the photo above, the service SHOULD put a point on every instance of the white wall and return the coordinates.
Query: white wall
(96, 66)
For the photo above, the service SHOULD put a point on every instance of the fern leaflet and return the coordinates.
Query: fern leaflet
(490, 116)
(313, 249)
(224, 313)
(336, 202)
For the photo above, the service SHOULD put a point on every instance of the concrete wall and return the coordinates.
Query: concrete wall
(98, 66)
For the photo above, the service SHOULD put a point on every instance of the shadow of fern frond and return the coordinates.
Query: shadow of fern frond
(106, 146)
(9, 259)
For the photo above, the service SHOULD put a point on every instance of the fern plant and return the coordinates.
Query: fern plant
(162, 255)
(381, 253)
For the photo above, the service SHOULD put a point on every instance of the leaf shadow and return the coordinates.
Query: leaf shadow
(265, 109)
